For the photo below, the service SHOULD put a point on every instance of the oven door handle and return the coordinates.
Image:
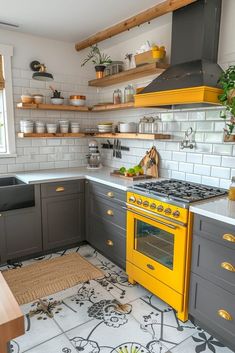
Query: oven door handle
(151, 219)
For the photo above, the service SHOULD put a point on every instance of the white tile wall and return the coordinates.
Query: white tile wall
(212, 162)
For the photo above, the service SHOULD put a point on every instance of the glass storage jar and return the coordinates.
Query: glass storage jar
(117, 96)
(129, 92)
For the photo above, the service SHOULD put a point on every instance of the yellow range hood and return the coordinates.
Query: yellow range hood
(191, 80)
(202, 95)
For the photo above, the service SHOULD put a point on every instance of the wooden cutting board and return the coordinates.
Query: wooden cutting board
(116, 173)
(150, 162)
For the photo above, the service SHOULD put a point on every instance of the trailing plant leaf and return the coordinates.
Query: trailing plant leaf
(227, 98)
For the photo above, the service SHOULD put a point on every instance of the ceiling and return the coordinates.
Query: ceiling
(68, 20)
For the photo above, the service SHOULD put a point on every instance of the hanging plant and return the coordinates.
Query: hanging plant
(227, 98)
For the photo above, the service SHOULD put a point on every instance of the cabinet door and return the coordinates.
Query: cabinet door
(22, 233)
(63, 220)
(2, 239)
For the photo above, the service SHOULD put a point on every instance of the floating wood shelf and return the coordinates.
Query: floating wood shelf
(128, 75)
(108, 107)
(52, 107)
(47, 135)
(98, 135)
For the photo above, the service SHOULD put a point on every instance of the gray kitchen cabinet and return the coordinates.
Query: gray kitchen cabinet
(63, 217)
(106, 221)
(212, 285)
(20, 231)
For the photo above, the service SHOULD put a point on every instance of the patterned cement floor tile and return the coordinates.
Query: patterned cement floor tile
(161, 321)
(59, 344)
(114, 333)
(38, 329)
(75, 309)
(202, 342)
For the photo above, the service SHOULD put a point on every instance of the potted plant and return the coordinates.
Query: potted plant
(100, 60)
(56, 97)
(227, 99)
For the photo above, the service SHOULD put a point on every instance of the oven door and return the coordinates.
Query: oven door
(158, 247)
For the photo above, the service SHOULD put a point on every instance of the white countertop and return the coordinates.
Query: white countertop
(54, 175)
(220, 209)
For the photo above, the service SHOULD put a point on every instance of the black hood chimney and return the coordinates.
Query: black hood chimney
(194, 48)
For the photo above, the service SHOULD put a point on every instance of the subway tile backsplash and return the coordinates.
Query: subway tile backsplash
(212, 162)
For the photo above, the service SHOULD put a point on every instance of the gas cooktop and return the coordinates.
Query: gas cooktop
(178, 190)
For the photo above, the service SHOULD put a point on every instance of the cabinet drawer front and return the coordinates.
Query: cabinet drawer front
(214, 307)
(107, 192)
(214, 262)
(218, 231)
(62, 188)
(108, 239)
(108, 210)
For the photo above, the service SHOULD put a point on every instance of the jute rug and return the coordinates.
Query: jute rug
(49, 276)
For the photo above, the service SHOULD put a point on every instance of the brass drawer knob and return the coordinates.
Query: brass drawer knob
(229, 237)
(109, 242)
(109, 213)
(227, 266)
(151, 267)
(110, 194)
(59, 189)
(225, 315)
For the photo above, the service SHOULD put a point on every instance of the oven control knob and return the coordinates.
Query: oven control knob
(176, 214)
(132, 199)
(145, 203)
(153, 206)
(139, 201)
(167, 211)
(160, 208)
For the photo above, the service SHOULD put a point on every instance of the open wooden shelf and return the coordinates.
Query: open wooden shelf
(61, 107)
(47, 135)
(117, 135)
(133, 135)
(128, 75)
(111, 107)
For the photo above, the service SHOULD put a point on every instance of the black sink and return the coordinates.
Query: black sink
(15, 194)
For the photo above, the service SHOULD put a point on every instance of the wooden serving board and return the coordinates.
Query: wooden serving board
(116, 173)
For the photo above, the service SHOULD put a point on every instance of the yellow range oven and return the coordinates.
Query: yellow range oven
(158, 249)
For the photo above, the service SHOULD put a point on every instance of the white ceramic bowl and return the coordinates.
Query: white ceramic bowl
(38, 98)
(127, 127)
(51, 128)
(57, 101)
(77, 102)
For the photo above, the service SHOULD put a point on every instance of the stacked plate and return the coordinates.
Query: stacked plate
(75, 127)
(105, 127)
(26, 126)
(40, 127)
(64, 126)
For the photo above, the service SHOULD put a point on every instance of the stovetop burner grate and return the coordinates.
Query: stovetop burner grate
(180, 190)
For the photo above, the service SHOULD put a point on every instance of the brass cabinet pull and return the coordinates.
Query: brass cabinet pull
(151, 267)
(225, 315)
(110, 212)
(110, 194)
(109, 242)
(59, 189)
(229, 237)
(227, 266)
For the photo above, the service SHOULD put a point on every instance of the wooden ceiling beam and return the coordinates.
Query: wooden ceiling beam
(143, 17)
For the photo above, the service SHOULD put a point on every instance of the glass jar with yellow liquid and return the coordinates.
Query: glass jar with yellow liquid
(231, 192)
